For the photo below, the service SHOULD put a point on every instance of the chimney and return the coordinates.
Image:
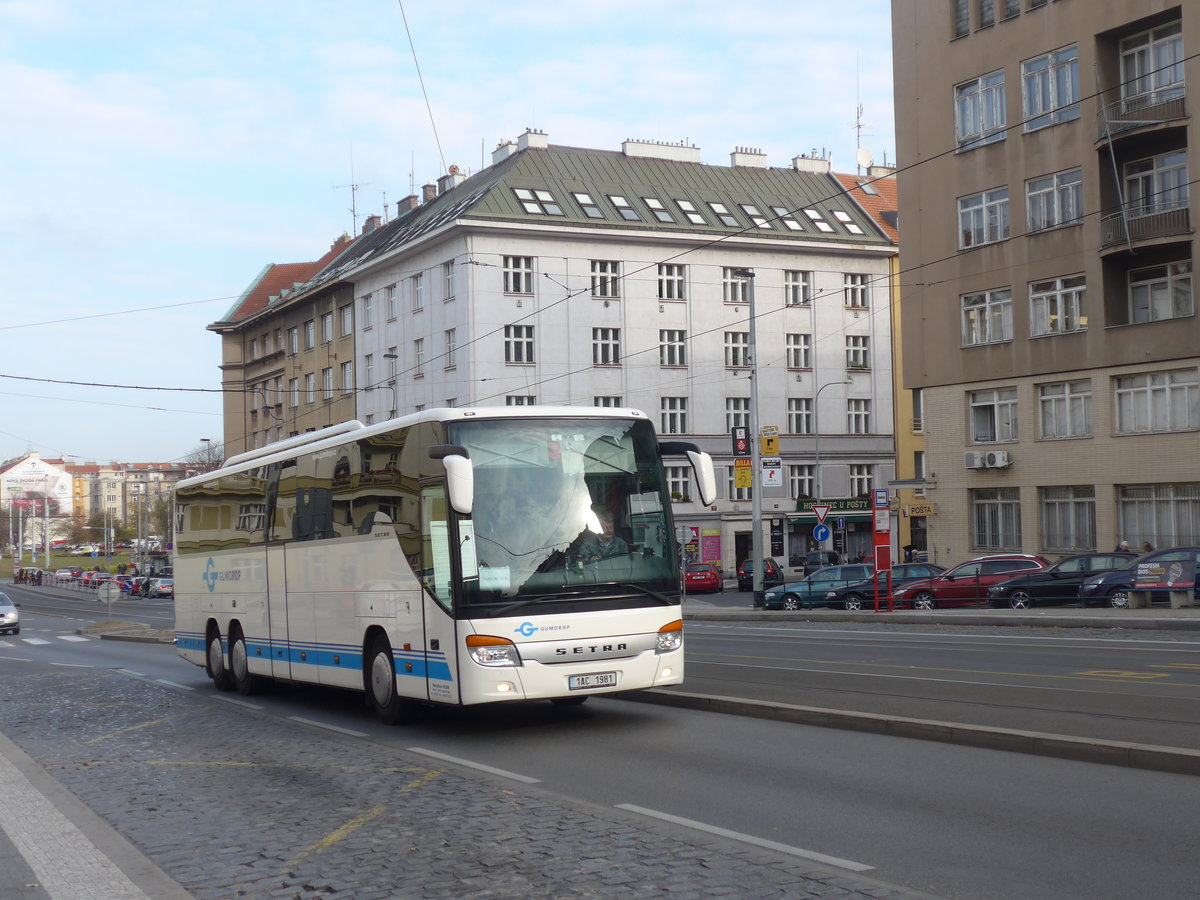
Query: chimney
(342, 241)
(750, 157)
(503, 151)
(681, 152)
(451, 180)
(813, 163)
(407, 205)
(533, 139)
(428, 192)
(370, 224)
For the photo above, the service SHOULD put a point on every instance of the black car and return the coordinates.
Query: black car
(772, 574)
(861, 594)
(1056, 585)
(1112, 588)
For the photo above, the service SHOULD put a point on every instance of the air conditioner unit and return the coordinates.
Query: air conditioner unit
(973, 459)
(997, 459)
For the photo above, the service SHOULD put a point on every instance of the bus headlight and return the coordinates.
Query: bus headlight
(489, 650)
(670, 637)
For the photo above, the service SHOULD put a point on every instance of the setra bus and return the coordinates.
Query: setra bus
(454, 556)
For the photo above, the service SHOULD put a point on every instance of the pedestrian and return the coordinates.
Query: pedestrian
(1122, 547)
(1147, 546)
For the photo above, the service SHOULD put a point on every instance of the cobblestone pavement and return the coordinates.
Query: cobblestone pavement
(233, 803)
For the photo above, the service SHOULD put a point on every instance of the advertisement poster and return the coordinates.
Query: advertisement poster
(1166, 574)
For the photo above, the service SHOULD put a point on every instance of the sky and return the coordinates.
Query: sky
(156, 156)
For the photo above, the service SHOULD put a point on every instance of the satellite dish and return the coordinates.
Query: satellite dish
(865, 160)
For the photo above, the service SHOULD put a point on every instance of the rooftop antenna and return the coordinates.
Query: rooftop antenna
(859, 128)
(354, 186)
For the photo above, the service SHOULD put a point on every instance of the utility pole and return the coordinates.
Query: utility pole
(756, 548)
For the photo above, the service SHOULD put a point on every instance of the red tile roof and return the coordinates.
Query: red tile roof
(884, 201)
(279, 277)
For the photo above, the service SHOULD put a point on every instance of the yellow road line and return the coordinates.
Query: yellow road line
(105, 737)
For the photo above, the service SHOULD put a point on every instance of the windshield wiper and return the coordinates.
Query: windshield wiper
(661, 598)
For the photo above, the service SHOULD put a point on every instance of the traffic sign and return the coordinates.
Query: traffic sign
(841, 523)
(108, 592)
(741, 440)
(821, 510)
(820, 533)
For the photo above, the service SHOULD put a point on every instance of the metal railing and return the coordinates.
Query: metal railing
(1143, 223)
(1152, 108)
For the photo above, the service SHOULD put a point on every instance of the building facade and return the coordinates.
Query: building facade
(1049, 314)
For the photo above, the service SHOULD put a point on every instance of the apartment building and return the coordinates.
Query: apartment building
(1049, 315)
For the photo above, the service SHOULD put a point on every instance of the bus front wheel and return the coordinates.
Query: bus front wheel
(390, 707)
(215, 663)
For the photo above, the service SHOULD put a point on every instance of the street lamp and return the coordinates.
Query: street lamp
(817, 436)
(756, 549)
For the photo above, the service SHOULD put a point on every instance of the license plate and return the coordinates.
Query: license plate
(595, 680)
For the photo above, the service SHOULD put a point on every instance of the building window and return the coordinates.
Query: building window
(757, 219)
(518, 343)
(858, 351)
(606, 346)
(327, 382)
(818, 220)
(855, 290)
(518, 274)
(1012, 8)
(858, 416)
(688, 208)
(326, 327)
(800, 415)
(918, 410)
(672, 347)
(606, 278)
(799, 351)
(846, 222)
(1053, 201)
(624, 208)
(520, 400)
(590, 207)
(1050, 85)
(731, 490)
(670, 281)
(417, 287)
(368, 312)
(369, 370)
(994, 416)
(800, 482)
(987, 317)
(1167, 515)
(789, 220)
(983, 218)
(253, 348)
(251, 517)
(724, 216)
(862, 479)
(393, 359)
(737, 349)
(418, 370)
(1157, 184)
(449, 345)
(608, 402)
(389, 302)
(293, 392)
(987, 13)
(347, 377)
(346, 314)
(448, 280)
(679, 479)
(1152, 66)
(1065, 409)
(537, 202)
(1068, 518)
(737, 412)
(1158, 401)
(672, 415)
(310, 387)
(1160, 292)
(962, 18)
(995, 519)
(658, 210)
(1056, 306)
(797, 287)
(733, 287)
(310, 334)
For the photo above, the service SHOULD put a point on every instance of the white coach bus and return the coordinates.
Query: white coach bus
(454, 556)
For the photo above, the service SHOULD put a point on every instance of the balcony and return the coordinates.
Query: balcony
(1141, 111)
(1143, 223)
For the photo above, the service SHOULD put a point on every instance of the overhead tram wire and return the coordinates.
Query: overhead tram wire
(421, 80)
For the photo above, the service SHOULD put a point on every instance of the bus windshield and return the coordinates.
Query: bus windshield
(564, 508)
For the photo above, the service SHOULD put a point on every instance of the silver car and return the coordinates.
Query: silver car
(10, 618)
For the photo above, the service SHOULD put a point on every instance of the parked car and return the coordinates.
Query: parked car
(819, 559)
(1112, 588)
(1056, 585)
(85, 550)
(70, 573)
(703, 578)
(967, 583)
(10, 619)
(813, 590)
(772, 574)
(861, 594)
(161, 587)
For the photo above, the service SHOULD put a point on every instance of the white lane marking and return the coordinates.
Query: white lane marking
(73, 637)
(174, 684)
(17, 658)
(35, 641)
(131, 672)
(457, 760)
(328, 727)
(749, 839)
(72, 665)
(237, 702)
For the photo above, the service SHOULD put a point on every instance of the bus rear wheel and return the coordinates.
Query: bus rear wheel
(215, 663)
(390, 707)
(239, 667)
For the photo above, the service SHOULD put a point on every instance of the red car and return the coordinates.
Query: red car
(703, 578)
(967, 583)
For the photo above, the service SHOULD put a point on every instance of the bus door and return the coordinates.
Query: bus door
(277, 612)
(438, 568)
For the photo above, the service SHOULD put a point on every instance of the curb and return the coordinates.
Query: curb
(1176, 760)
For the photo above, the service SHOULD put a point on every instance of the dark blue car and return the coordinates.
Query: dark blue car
(1113, 588)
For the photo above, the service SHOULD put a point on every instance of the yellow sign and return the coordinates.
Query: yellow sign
(922, 509)
(770, 445)
(743, 475)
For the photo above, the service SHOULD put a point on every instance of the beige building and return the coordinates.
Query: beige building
(1049, 317)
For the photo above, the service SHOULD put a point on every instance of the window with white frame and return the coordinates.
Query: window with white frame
(327, 382)
(672, 415)
(800, 415)
(671, 281)
(369, 369)
(253, 348)
(737, 412)
(389, 302)
(607, 402)
(251, 517)
(1056, 305)
(590, 207)
(348, 377)
(293, 340)
(672, 347)
(326, 327)
(310, 387)
(858, 416)
(737, 349)
(862, 479)
(1053, 201)
(518, 274)
(1068, 517)
(797, 287)
(293, 392)
(993, 416)
(995, 518)
(606, 278)
(1158, 401)
(987, 317)
(1050, 88)
(1065, 409)
(417, 291)
(693, 215)
(1167, 515)
(520, 400)
(800, 482)
(679, 479)
(818, 220)
(537, 202)
(844, 219)
(787, 218)
(724, 216)
(733, 287)
(346, 315)
(449, 345)
(983, 218)
(368, 311)
(606, 346)
(858, 351)
(418, 369)
(310, 334)
(393, 359)
(757, 219)
(732, 491)
(451, 402)
(448, 280)
(1156, 184)
(855, 289)
(658, 209)
(799, 350)
(518, 343)
(624, 208)
(1160, 292)
(1152, 66)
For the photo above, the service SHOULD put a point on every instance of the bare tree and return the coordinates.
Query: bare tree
(206, 457)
